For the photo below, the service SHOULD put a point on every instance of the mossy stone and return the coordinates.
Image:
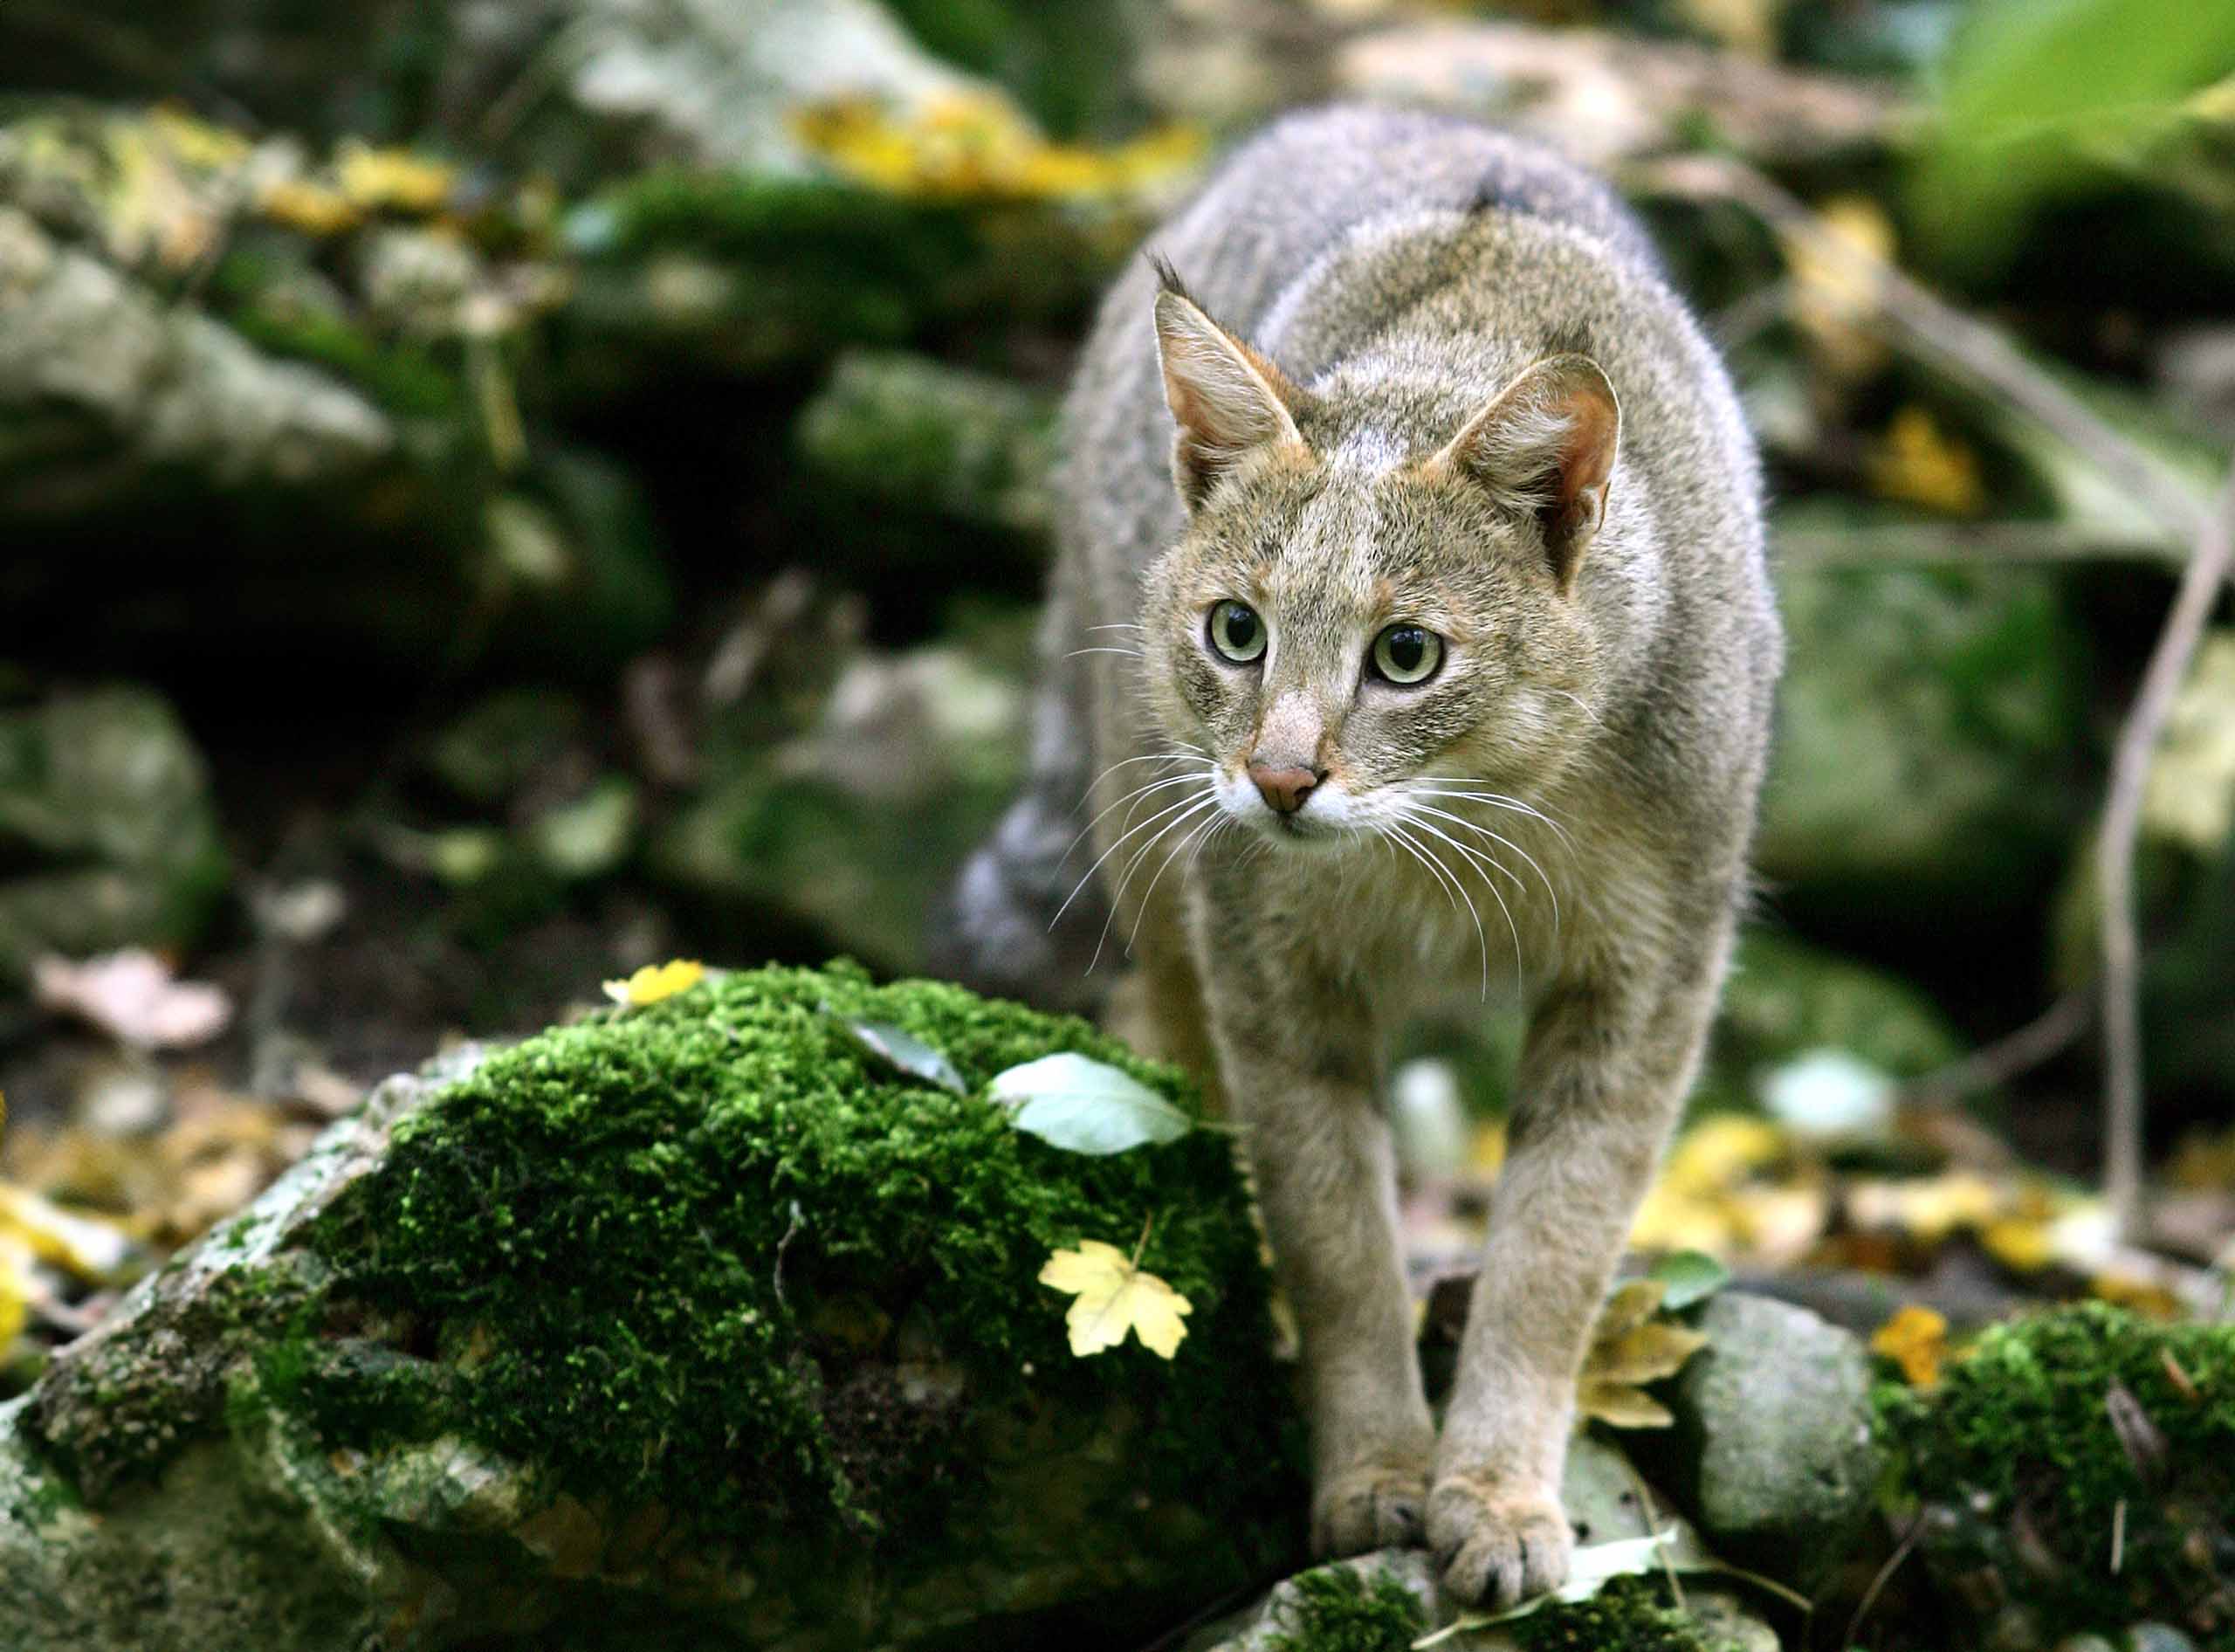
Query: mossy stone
(690, 1318)
(2055, 1435)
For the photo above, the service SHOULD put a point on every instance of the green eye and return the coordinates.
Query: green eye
(1236, 632)
(1405, 654)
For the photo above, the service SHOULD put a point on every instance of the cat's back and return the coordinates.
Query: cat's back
(1273, 208)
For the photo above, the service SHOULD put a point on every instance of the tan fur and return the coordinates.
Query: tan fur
(1490, 419)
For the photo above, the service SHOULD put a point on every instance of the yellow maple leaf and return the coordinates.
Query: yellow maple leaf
(1112, 1296)
(656, 981)
(1915, 1338)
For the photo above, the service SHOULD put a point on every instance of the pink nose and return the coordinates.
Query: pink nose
(1284, 788)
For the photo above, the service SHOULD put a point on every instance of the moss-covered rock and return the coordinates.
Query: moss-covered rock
(940, 448)
(2059, 1442)
(1385, 1601)
(690, 1316)
(107, 828)
(845, 819)
(1924, 765)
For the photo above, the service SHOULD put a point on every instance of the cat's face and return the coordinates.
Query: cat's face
(1344, 641)
(1351, 632)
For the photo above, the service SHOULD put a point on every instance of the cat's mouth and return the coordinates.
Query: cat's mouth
(1324, 820)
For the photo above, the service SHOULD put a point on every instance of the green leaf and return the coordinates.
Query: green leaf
(1084, 1105)
(1690, 1276)
(906, 1053)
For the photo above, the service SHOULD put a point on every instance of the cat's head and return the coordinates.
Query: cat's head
(1355, 617)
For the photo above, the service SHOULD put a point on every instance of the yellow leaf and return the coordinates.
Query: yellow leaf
(1835, 297)
(1619, 1405)
(17, 1285)
(1630, 1307)
(1629, 1347)
(1112, 1296)
(1919, 464)
(2189, 796)
(1644, 1353)
(1915, 1338)
(2019, 1242)
(87, 1246)
(656, 981)
(311, 207)
(196, 141)
(374, 178)
(975, 145)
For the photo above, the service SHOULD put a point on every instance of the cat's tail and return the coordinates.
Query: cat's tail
(1024, 918)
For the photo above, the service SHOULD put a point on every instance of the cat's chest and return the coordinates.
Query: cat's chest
(1416, 931)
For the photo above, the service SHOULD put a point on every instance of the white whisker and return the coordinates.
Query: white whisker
(1482, 830)
(1452, 891)
(1194, 837)
(1189, 810)
(1192, 777)
(1183, 803)
(1475, 857)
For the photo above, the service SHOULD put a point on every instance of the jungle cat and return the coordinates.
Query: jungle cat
(1411, 638)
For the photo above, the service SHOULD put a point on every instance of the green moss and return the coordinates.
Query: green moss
(401, 377)
(1339, 1609)
(1626, 1615)
(2018, 1441)
(706, 1254)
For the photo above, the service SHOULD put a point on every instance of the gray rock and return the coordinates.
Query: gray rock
(107, 815)
(1772, 1452)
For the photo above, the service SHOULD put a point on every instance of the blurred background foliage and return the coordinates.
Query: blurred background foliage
(494, 494)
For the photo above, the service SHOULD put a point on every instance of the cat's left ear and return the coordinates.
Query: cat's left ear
(1544, 448)
(1227, 399)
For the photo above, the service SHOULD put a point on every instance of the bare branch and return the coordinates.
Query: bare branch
(1969, 347)
(2006, 540)
(2047, 1034)
(2169, 666)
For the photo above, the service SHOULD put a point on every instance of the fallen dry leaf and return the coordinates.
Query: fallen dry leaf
(132, 995)
(1629, 1348)
(1112, 1296)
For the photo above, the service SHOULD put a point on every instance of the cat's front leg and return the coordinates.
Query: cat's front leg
(1300, 1064)
(1601, 1082)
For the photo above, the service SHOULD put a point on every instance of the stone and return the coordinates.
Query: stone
(1773, 1451)
(1605, 1501)
(735, 1343)
(107, 827)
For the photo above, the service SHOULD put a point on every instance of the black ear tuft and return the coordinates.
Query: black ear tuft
(1167, 278)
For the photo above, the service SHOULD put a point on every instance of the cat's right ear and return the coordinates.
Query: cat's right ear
(1227, 400)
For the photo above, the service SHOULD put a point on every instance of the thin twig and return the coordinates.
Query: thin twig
(2009, 541)
(1969, 347)
(2168, 667)
(2047, 1034)
(1878, 1584)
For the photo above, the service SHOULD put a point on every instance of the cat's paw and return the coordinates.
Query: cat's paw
(1370, 1506)
(1497, 1543)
